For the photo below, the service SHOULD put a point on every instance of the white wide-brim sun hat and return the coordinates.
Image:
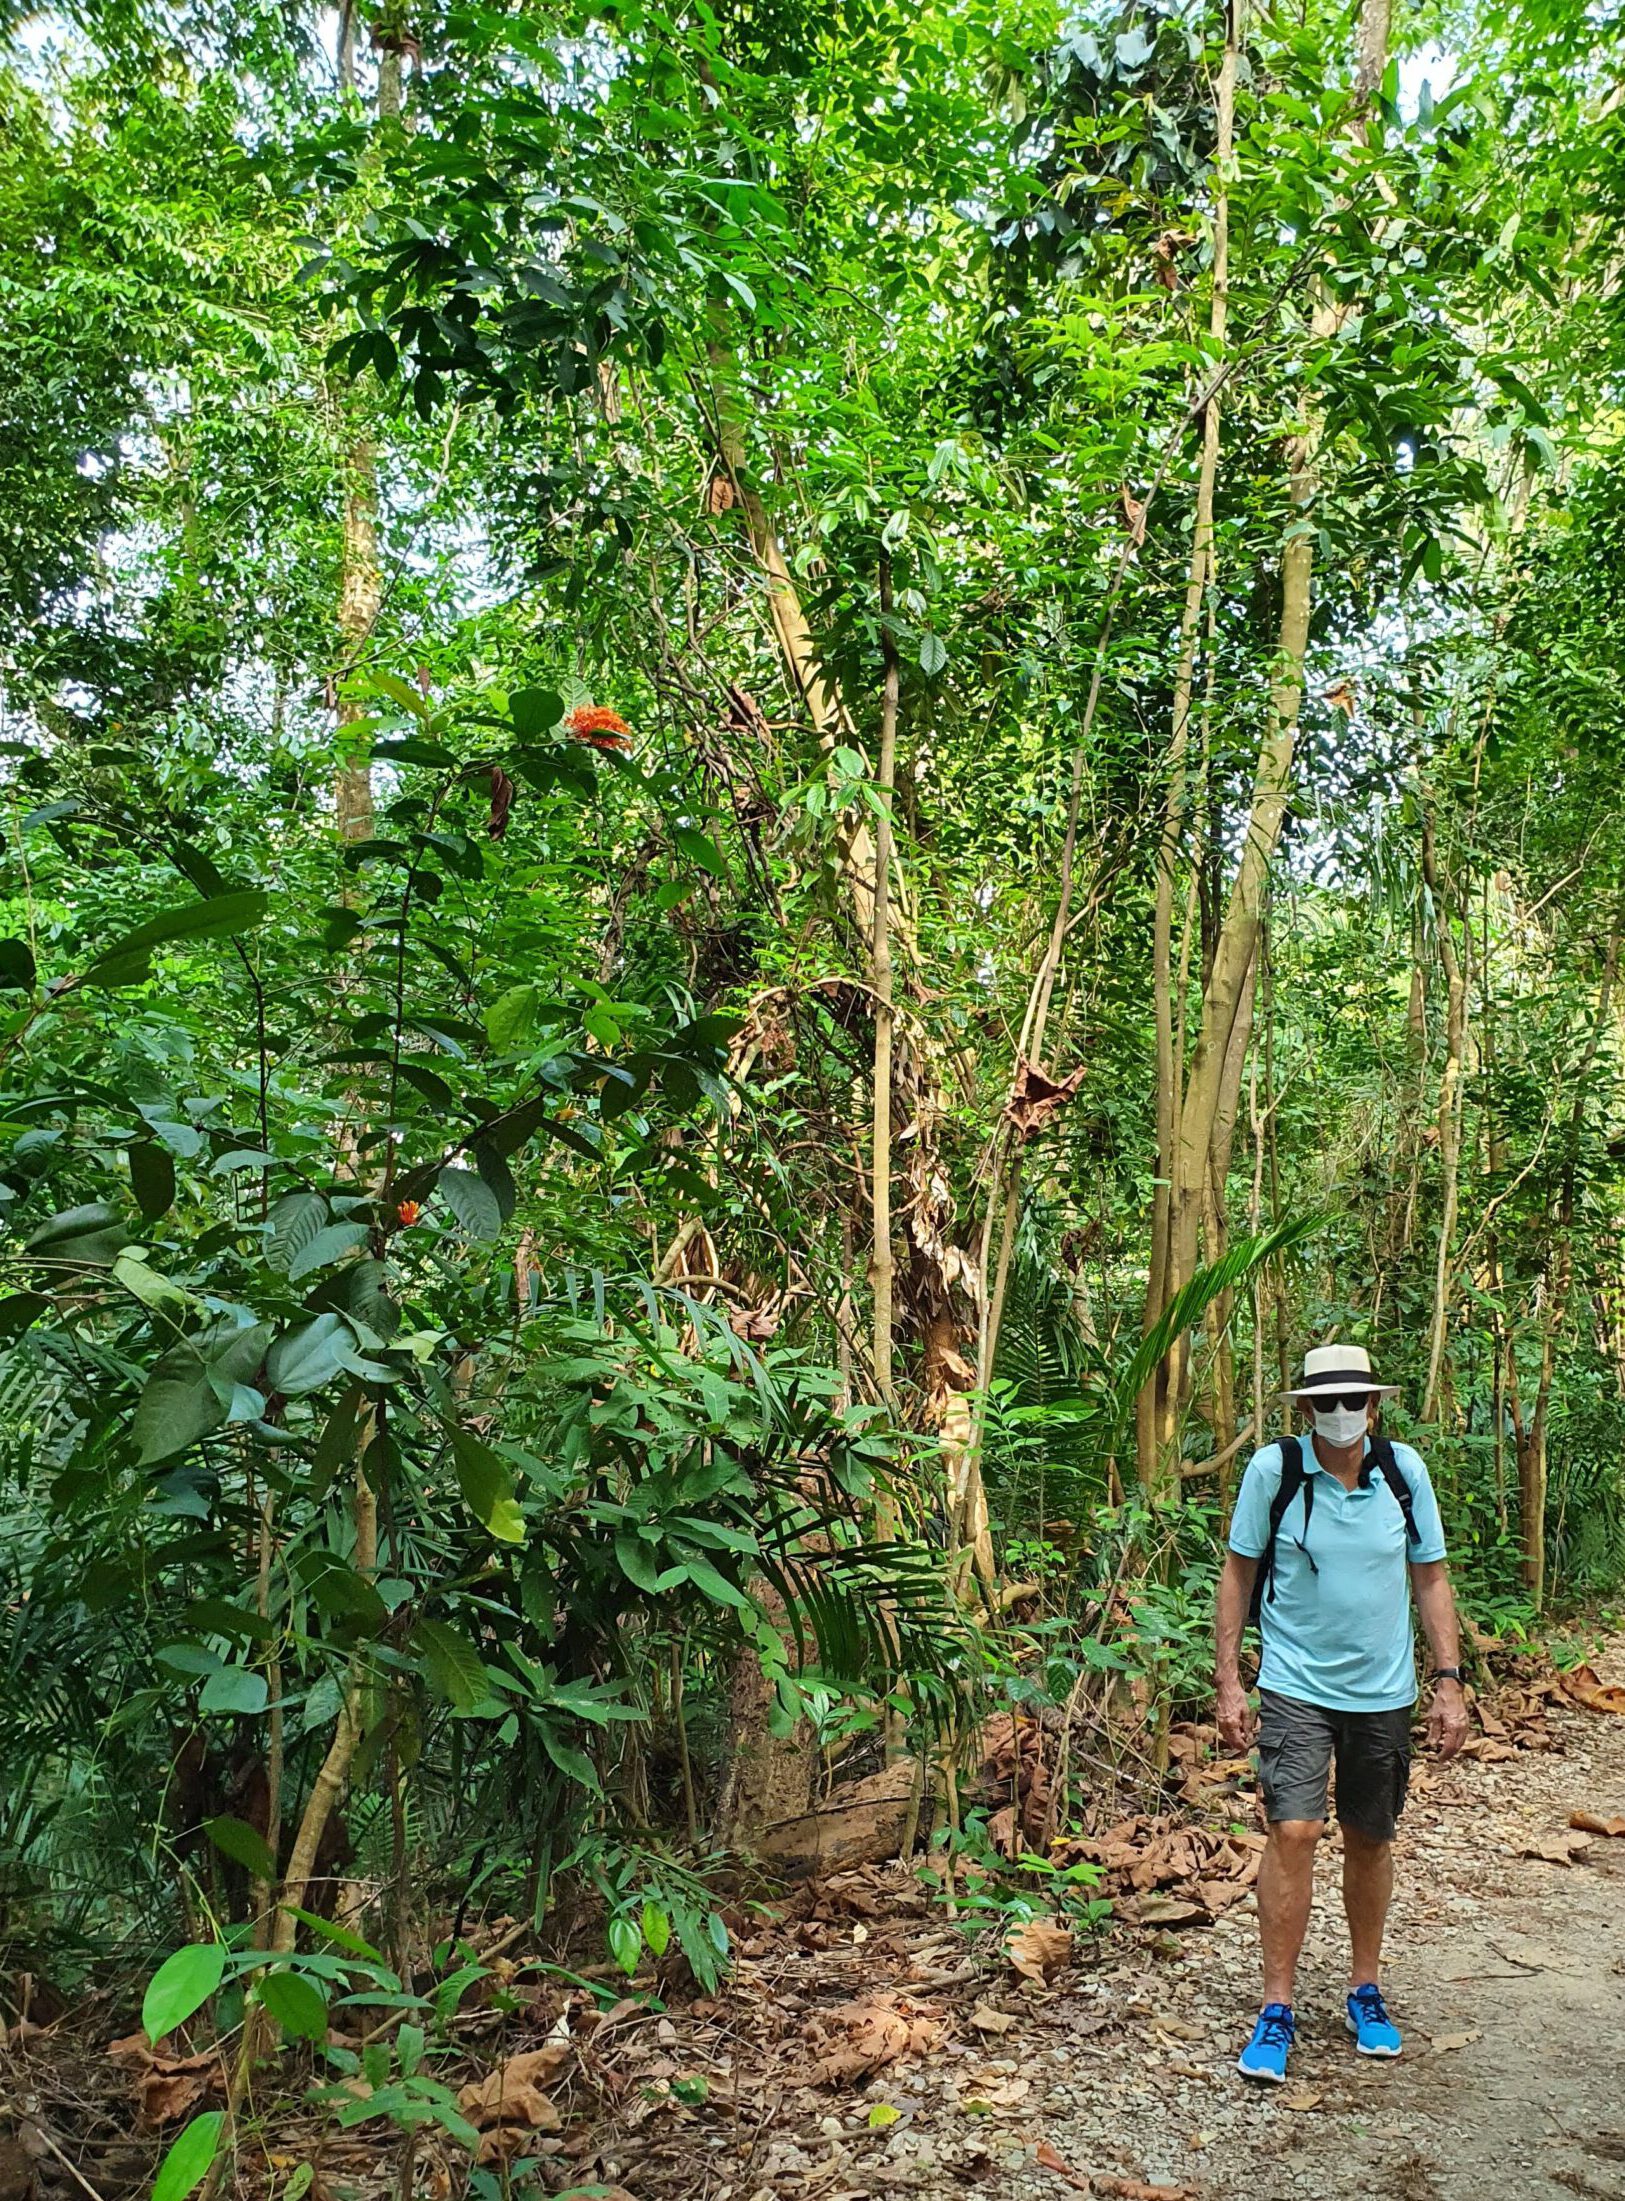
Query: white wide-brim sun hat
(1329, 1370)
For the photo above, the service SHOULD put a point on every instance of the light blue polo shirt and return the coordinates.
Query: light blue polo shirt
(1339, 1637)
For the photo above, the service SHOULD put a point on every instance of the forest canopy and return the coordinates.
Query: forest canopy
(778, 781)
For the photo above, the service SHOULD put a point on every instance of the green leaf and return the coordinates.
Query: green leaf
(637, 1561)
(573, 1763)
(181, 1986)
(17, 972)
(237, 1689)
(625, 1944)
(471, 1200)
(487, 1485)
(933, 654)
(402, 692)
(327, 1246)
(297, 2004)
(306, 1357)
(92, 1236)
(534, 712)
(20, 1312)
(451, 1665)
(335, 1448)
(219, 915)
(511, 1018)
(177, 1406)
(294, 1220)
(152, 1179)
(716, 1586)
(190, 2158)
(656, 1930)
(243, 1844)
(700, 849)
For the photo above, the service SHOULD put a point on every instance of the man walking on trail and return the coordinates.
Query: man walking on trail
(1323, 1530)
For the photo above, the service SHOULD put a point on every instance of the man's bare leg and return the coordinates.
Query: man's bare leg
(1286, 1883)
(1368, 1885)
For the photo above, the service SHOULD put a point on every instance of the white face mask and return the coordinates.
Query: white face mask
(1342, 1425)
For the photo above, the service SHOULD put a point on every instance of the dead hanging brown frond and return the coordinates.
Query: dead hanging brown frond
(1036, 1097)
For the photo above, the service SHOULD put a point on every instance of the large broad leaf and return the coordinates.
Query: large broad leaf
(181, 1986)
(221, 915)
(17, 972)
(295, 1221)
(178, 1406)
(152, 1179)
(243, 1844)
(327, 1246)
(305, 1358)
(534, 712)
(471, 1200)
(191, 2158)
(297, 2004)
(338, 1589)
(487, 1484)
(451, 1665)
(236, 1689)
(91, 1235)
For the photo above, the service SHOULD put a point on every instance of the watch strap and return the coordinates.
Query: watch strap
(1447, 1673)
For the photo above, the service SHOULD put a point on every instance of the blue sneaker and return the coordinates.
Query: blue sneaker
(1375, 2033)
(1264, 2056)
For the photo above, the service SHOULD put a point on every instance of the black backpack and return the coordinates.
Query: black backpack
(1293, 1479)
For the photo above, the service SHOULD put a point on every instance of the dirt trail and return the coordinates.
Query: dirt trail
(1506, 1972)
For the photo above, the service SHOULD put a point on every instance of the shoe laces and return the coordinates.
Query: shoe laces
(1275, 2026)
(1368, 2001)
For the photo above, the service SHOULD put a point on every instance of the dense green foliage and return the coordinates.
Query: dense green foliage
(466, 494)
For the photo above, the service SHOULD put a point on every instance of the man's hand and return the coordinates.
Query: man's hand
(1447, 1718)
(1236, 1722)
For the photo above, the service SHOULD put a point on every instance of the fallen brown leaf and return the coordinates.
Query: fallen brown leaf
(1135, 2189)
(1039, 1949)
(857, 2038)
(1442, 2043)
(1589, 1822)
(1596, 1695)
(1047, 2159)
(987, 2020)
(1303, 2097)
(512, 2093)
(1556, 1849)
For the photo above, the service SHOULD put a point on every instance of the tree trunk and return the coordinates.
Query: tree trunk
(1195, 1111)
(1448, 1120)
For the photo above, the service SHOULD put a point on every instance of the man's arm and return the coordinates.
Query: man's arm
(1436, 1603)
(1235, 1595)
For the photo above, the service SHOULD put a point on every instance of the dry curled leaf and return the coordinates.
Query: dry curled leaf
(1591, 1822)
(1039, 1949)
(1302, 2097)
(1586, 1688)
(987, 2020)
(1442, 2043)
(1134, 514)
(1047, 2158)
(512, 2093)
(1136, 2189)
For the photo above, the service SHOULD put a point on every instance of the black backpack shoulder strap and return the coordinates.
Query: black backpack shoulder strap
(1382, 1457)
(1293, 1479)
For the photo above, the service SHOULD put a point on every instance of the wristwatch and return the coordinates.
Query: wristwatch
(1448, 1673)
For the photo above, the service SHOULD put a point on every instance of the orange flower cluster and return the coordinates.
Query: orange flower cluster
(600, 727)
(407, 1213)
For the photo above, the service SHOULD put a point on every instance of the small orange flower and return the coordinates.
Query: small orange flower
(598, 726)
(407, 1213)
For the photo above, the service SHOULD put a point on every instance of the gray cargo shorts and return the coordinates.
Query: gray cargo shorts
(1296, 1746)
